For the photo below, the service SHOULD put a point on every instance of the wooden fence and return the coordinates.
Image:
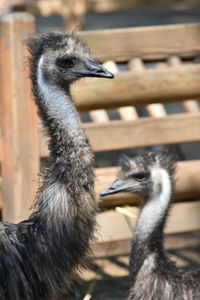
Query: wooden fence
(175, 77)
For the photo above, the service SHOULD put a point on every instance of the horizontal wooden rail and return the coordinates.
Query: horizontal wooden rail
(153, 42)
(184, 217)
(139, 88)
(109, 5)
(179, 128)
(117, 247)
(117, 5)
(187, 183)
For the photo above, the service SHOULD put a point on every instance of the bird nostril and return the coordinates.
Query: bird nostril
(99, 71)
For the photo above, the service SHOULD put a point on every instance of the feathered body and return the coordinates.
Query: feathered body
(39, 256)
(153, 275)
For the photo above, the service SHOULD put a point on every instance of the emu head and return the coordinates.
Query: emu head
(63, 58)
(141, 174)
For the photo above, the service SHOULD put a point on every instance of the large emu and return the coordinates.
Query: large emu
(153, 275)
(39, 256)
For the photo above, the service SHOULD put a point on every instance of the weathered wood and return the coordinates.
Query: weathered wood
(142, 132)
(153, 42)
(100, 115)
(139, 88)
(73, 12)
(191, 106)
(4, 6)
(109, 5)
(128, 113)
(18, 119)
(118, 247)
(116, 5)
(46, 7)
(187, 184)
(156, 110)
(184, 217)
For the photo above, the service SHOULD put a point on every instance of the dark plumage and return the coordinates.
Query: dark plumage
(39, 256)
(153, 275)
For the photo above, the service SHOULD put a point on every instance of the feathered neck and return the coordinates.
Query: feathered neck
(148, 236)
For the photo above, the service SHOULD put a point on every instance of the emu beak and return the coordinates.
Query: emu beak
(115, 187)
(94, 69)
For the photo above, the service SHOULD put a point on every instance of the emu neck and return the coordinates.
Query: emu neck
(67, 192)
(148, 237)
(154, 210)
(57, 106)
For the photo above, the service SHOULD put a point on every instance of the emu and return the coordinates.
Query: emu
(39, 257)
(153, 275)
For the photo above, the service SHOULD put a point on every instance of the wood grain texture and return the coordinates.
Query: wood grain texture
(144, 132)
(20, 157)
(116, 5)
(153, 42)
(118, 247)
(109, 5)
(184, 217)
(156, 110)
(179, 128)
(139, 88)
(189, 105)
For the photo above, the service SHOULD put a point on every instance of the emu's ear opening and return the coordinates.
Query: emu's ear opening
(125, 163)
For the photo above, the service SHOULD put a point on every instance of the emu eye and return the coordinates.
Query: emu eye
(66, 62)
(141, 176)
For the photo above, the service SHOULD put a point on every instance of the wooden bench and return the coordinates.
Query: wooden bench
(175, 76)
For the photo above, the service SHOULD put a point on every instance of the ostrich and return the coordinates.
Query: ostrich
(39, 256)
(153, 275)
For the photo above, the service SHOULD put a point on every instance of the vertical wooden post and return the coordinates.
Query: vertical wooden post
(73, 12)
(4, 6)
(20, 158)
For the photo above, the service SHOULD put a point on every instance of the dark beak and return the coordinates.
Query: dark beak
(115, 187)
(94, 69)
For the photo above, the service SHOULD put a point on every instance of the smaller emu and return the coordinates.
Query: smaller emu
(153, 275)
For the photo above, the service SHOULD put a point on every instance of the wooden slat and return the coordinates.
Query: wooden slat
(139, 88)
(109, 5)
(20, 158)
(46, 7)
(190, 106)
(4, 6)
(101, 115)
(187, 184)
(73, 12)
(116, 5)
(128, 113)
(154, 42)
(184, 217)
(142, 132)
(118, 247)
(156, 110)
